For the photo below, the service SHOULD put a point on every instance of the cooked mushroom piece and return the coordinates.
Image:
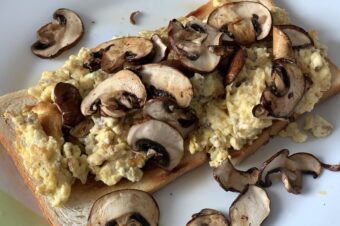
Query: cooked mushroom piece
(245, 22)
(282, 45)
(297, 35)
(124, 207)
(237, 62)
(162, 80)
(251, 207)
(208, 217)
(160, 49)
(115, 95)
(165, 109)
(68, 100)
(288, 85)
(82, 129)
(191, 44)
(162, 144)
(62, 33)
(231, 179)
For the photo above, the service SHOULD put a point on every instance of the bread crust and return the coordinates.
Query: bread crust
(76, 210)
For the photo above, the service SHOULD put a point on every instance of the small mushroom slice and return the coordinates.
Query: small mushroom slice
(162, 143)
(292, 180)
(127, 207)
(237, 62)
(63, 33)
(160, 49)
(82, 129)
(282, 45)
(297, 35)
(231, 179)
(191, 44)
(245, 21)
(124, 49)
(288, 85)
(208, 217)
(166, 110)
(68, 100)
(115, 95)
(251, 207)
(162, 80)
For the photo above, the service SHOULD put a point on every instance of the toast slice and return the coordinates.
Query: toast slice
(76, 210)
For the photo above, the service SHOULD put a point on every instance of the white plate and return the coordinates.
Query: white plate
(318, 203)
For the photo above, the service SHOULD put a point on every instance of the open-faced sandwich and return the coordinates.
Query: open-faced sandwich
(136, 112)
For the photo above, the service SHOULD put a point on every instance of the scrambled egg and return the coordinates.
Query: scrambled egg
(293, 131)
(318, 126)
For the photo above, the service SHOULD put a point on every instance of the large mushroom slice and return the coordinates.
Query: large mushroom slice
(244, 21)
(297, 35)
(64, 32)
(162, 143)
(192, 42)
(208, 217)
(162, 80)
(251, 207)
(124, 207)
(115, 95)
(166, 110)
(287, 87)
(231, 179)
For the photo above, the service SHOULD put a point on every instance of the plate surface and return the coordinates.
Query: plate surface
(318, 203)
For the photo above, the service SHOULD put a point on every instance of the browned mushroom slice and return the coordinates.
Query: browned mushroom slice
(162, 80)
(116, 95)
(282, 45)
(166, 110)
(288, 85)
(82, 129)
(124, 207)
(251, 207)
(237, 62)
(297, 35)
(63, 33)
(160, 49)
(208, 217)
(292, 180)
(191, 44)
(231, 179)
(133, 17)
(125, 49)
(245, 22)
(162, 144)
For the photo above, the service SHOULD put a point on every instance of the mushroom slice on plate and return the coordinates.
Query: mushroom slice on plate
(124, 207)
(68, 100)
(165, 109)
(282, 45)
(251, 207)
(245, 22)
(297, 35)
(64, 32)
(160, 49)
(237, 62)
(287, 87)
(231, 179)
(161, 143)
(208, 217)
(162, 80)
(115, 95)
(191, 44)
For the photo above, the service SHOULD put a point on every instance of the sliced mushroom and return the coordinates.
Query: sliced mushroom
(245, 21)
(166, 110)
(237, 62)
(62, 33)
(162, 143)
(124, 207)
(162, 80)
(125, 49)
(191, 44)
(292, 180)
(288, 85)
(231, 179)
(282, 45)
(208, 217)
(297, 35)
(82, 129)
(133, 17)
(251, 207)
(115, 95)
(160, 49)
(68, 100)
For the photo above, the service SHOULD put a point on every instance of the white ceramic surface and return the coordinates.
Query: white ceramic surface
(318, 203)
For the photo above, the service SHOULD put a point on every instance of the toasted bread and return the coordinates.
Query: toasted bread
(76, 210)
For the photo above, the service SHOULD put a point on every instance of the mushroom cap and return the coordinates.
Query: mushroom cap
(166, 110)
(160, 49)
(245, 21)
(251, 207)
(168, 79)
(297, 35)
(121, 203)
(123, 90)
(156, 136)
(63, 33)
(213, 219)
(191, 44)
(282, 45)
